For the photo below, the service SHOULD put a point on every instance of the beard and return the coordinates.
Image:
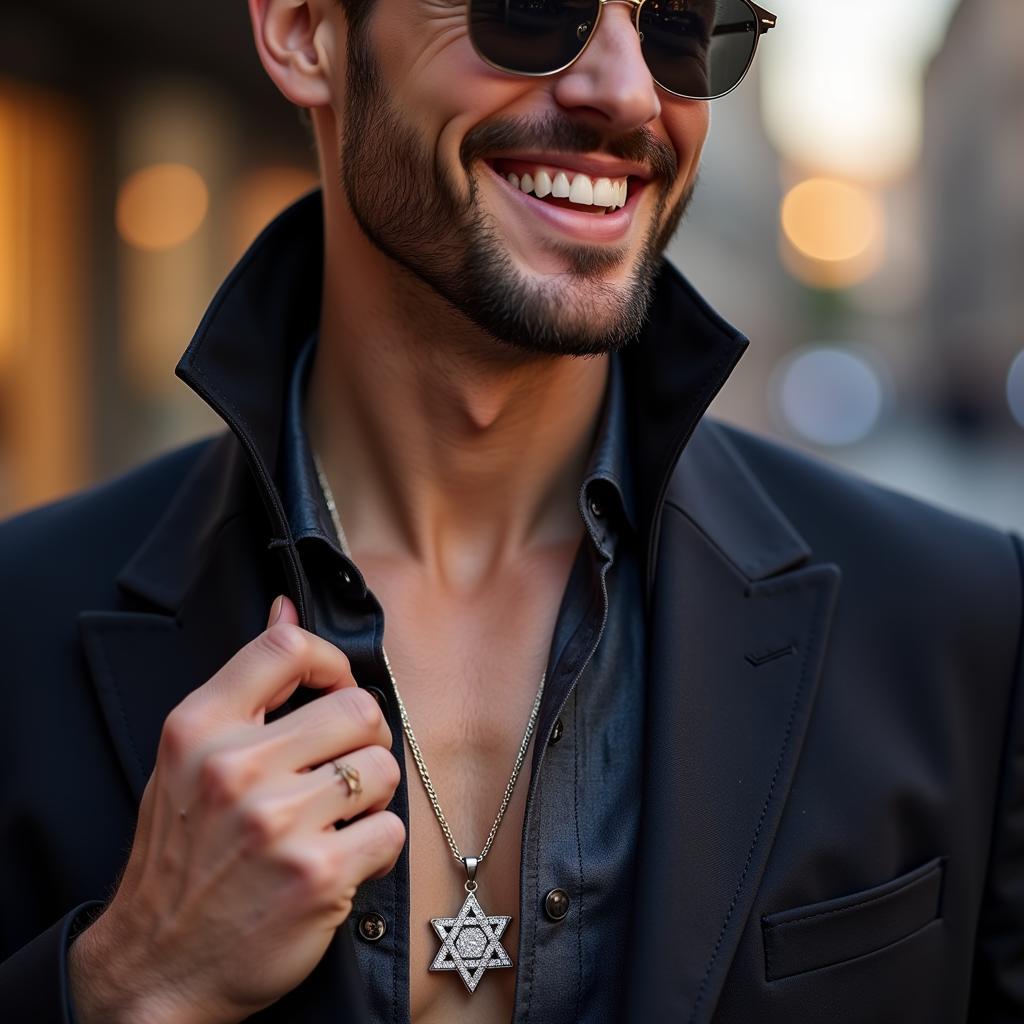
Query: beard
(412, 211)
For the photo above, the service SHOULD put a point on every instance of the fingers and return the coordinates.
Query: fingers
(265, 672)
(329, 867)
(324, 728)
(232, 809)
(283, 610)
(367, 848)
(330, 798)
(275, 610)
(278, 812)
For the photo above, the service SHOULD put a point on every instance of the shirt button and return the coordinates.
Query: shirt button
(378, 696)
(372, 927)
(556, 904)
(556, 733)
(596, 508)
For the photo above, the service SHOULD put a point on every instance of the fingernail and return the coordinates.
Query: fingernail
(275, 610)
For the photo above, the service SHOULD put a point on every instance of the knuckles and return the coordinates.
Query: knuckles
(179, 733)
(329, 875)
(358, 716)
(308, 869)
(392, 831)
(225, 776)
(263, 824)
(342, 901)
(385, 766)
(285, 640)
(358, 705)
(298, 647)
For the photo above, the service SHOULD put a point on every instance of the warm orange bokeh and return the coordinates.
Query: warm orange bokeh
(833, 232)
(161, 207)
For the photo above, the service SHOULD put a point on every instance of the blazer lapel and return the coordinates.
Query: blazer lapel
(198, 583)
(738, 633)
(145, 663)
(140, 670)
(208, 572)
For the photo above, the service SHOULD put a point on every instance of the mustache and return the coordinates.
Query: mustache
(562, 134)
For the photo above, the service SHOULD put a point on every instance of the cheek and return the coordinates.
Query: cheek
(686, 122)
(434, 78)
(427, 63)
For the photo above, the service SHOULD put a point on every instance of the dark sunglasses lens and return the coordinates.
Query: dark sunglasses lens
(698, 48)
(531, 36)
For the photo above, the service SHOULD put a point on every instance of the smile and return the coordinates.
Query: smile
(575, 187)
(584, 205)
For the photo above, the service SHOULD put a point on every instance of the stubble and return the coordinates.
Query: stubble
(410, 210)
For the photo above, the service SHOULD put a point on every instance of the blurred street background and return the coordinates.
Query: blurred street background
(860, 217)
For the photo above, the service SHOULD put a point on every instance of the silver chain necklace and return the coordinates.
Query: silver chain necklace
(470, 941)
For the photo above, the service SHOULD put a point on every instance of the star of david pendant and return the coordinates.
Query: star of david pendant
(470, 941)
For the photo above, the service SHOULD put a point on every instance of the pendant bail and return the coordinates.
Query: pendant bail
(470, 864)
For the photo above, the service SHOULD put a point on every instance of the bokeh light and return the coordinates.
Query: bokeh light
(830, 220)
(161, 206)
(833, 232)
(1015, 388)
(843, 83)
(8, 254)
(913, 110)
(829, 395)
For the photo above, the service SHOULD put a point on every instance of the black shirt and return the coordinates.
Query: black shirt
(584, 782)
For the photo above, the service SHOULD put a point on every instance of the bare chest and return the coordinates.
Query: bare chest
(470, 746)
(469, 688)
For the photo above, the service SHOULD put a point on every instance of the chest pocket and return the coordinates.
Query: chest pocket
(833, 931)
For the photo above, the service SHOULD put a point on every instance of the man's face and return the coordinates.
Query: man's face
(430, 135)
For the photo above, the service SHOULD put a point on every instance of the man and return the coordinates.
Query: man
(673, 724)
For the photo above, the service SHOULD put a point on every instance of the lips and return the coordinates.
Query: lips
(579, 181)
(581, 222)
(578, 188)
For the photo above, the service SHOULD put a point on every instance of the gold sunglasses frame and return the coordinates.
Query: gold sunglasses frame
(764, 20)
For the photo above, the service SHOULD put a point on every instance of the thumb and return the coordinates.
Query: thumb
(282, 610)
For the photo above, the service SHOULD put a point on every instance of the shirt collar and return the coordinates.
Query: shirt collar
(304, 502)
(608, 478)
(241, 357)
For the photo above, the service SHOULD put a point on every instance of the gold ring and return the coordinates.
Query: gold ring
(348, 775)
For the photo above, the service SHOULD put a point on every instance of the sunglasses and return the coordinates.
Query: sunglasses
(696, 49)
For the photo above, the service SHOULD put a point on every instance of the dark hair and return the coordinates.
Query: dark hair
(356, 13)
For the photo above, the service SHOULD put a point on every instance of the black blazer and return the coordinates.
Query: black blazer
(832, 823)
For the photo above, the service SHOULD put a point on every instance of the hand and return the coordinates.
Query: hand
(237, 878)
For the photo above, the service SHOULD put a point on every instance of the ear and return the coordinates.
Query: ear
(290, 39)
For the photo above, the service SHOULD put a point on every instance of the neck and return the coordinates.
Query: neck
(441, 444)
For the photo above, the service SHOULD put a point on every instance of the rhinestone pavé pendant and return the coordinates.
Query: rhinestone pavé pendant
(470, 941)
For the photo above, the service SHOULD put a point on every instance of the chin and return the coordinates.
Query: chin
(574, 266)
(565, 314)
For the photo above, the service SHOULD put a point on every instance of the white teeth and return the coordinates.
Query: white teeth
(605, 194)
(610, 193)
(582, 191)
